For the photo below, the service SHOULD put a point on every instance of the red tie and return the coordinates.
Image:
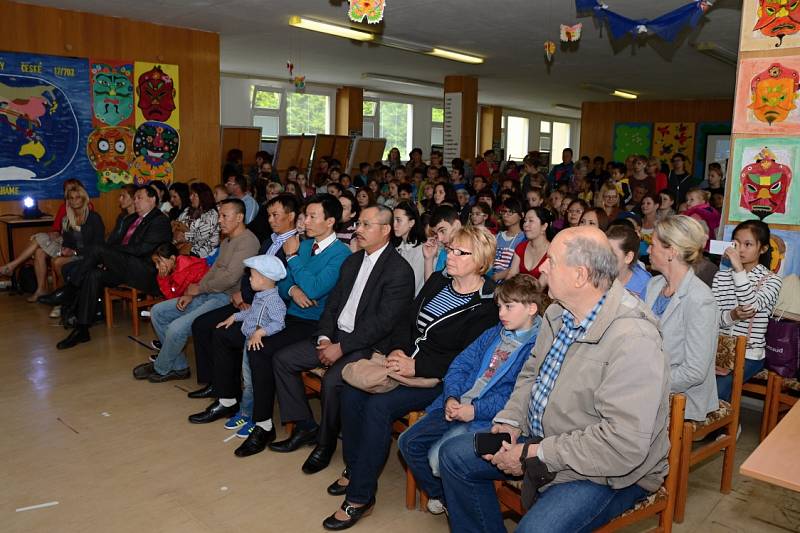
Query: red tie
(130, 231)
(314, 248)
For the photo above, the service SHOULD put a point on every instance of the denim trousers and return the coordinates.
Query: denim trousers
(574, 506)
(420, 445)
(725, 383)
(173, 327)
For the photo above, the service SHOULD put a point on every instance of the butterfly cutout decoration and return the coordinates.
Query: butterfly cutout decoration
(549, 50)
(571, 34)
(372, 10)
(299, 82)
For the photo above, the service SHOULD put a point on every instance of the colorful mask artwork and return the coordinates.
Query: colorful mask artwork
(549, 51)
(773, 93)
(372, 10)
(112, 93)
(110, 151)
(764, 185)
(778, 18)
(156, 142)
(143, 171)
(156, 92)
(571, 34)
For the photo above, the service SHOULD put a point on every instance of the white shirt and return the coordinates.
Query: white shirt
(324, 243)
(347, 318)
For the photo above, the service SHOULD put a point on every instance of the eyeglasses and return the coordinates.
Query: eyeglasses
(367, 224)
(456, 252)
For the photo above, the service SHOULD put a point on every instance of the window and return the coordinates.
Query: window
(561, 139)
(437, 128)
(544, 127)
(307, 113)
(265, 103)
(370, 112)
(395, 126)
(369, 107)
(517, 137)
(265, 99)
(270, 126)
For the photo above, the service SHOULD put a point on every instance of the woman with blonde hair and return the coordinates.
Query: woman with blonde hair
(454, 307)
(686, 311)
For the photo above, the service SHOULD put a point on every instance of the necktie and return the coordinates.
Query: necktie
(314, 248)
(131, 229)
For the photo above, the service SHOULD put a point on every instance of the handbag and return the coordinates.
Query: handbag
(371, 375)
(782, 352)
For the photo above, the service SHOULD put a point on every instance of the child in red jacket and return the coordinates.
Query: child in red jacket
(176, 272)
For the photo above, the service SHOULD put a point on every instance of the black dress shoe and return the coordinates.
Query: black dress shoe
(213, 412)
(155, 377)
(206, 392)
(256, 442)
(319, 459)
(143, 371)
(335, 488)
(298, 438)
(57, 297)
(354, 513)
(76, 336)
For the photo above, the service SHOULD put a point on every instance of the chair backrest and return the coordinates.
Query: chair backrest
(676, 411)
(730, 355)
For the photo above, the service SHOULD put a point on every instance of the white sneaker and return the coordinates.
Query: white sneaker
(56, 312)
(435, 506)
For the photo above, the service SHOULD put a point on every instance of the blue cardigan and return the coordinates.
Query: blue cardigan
(470, 364)
(315, 275)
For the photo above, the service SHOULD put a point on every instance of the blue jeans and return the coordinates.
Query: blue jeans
(367, 432)
(564, 507)
(725, 383)
(173, 328)
(420, 445)
(246, 405)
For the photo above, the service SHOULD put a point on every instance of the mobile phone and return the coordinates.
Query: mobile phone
(489, 443)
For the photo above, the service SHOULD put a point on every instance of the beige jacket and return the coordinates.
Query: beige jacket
(607, 417)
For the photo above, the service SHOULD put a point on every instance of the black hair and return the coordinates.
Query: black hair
(405, 187)
(669, 192)
(237, 204)
(545, 216)
(162, 189)
(449, 193)
(363, 165)
(619, 166)
(599, 159)
(626, 236)
(288, 201)
(415, 151)
(443, 213)
(330, 206)
(150, 191)
(265, 156)
(760, 231)
(355, 209)
(513, 204)
(166, 250)
(416, 235)
(567, 150)
(205, 195)
(337, 186)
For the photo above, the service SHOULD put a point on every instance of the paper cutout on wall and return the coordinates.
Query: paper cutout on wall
(143, 171)
(571, 34)
(112, 93)
(110, 151)
(766, 96)
(770, 24)
(632, 138)
(156, 142)
(762, 184)
(372, 10)
(45, 118)
(549, 51)
(670, 138)
(157, 93)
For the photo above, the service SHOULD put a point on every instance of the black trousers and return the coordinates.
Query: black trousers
(289, 365)
(261, 364)
(203, 329)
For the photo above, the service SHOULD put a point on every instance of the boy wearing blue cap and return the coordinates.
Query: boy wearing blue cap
(265, 317)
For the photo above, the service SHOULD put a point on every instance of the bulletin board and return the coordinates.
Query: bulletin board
(365, 149)
(293, 151)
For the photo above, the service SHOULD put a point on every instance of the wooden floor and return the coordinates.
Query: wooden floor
(118, 455)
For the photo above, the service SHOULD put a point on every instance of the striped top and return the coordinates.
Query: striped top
(441, 304)
(732, 289)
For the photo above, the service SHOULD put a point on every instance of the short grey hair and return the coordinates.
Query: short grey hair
(385, 214)
(596, 256)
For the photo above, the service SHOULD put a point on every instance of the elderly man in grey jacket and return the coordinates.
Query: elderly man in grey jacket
(588, 417)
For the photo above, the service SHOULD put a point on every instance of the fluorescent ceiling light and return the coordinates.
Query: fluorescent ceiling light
(567, 107)
(401, 80)
(715, 51)
(624, 94)
(455, 56)
(330, 29)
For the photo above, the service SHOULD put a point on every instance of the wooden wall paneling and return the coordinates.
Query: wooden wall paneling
(598, 118)
(248, 140)
(44, 30)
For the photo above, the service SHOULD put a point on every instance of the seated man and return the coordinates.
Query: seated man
(589, 411)
(237, 188)
(124, 259)
(172, 319)
(444, 224)
(374, 291)
(282, 214)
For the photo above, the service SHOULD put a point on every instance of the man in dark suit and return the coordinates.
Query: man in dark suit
(374, 290)
(282, 212)
(124, 259)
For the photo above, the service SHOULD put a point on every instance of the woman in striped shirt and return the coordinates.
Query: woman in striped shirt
(746, 295)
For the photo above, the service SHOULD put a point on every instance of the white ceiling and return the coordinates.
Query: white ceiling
(256, 40)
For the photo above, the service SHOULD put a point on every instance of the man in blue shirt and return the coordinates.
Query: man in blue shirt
(237, 188)
(562, 172)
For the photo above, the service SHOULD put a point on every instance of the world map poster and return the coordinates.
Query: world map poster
(45, 119)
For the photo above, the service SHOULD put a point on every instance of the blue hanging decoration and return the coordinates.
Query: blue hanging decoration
(666, 26)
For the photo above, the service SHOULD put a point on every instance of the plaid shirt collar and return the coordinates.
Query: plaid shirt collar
(573, 331)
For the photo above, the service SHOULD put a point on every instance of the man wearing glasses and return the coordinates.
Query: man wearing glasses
(374, 290)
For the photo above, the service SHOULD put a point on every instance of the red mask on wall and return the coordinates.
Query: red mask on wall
(156, 92)
(778, 18)
(765, 185)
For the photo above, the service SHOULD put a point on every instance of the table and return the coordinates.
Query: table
(21, 230)
(775, 459)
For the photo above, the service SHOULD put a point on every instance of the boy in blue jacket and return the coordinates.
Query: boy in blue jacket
(477, 384)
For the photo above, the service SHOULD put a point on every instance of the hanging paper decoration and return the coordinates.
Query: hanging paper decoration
(299, 82)
(571, 34)
(371, 9)
(549, 50)
(290, 68)
(666, 26)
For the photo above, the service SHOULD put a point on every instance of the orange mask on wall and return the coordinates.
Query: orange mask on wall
(773, 93)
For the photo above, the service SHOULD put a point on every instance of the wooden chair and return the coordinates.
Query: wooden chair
(137, 301)
(398, 427)
(781, 392)
(758, 387)
(730, 354)
(661, 503)
(312, 381)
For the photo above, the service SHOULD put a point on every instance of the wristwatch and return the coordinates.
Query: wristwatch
(524, 455)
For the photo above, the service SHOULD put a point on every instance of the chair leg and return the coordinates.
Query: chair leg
(767, 407)
(775, 405)
(423, 501)
(683, 474)
(411, 490)
(108, 302)
(727, 461)
(135, 314)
